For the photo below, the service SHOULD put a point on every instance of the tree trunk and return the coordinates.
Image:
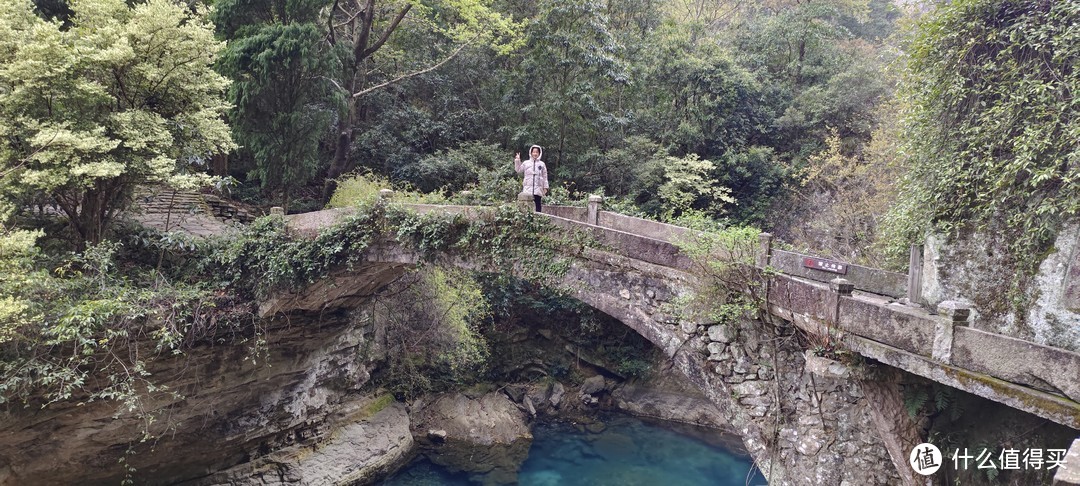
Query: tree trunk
(90, 212)
(342, 146)
(219, 165)
(91, 219)
(355, 78)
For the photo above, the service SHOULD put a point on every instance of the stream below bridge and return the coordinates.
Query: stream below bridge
(626, 452)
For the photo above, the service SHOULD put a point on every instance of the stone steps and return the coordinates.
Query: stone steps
(167, 209)
(162, 200)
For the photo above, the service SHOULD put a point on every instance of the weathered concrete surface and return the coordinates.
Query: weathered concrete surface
(567, 212)
(896, 325)
(1046, 405)
(975, 268)
(874, 280)
(1055, 316)
(1012, 371)
(1016, 360)
(309, 225)
(644, 227)
(1069, 473)
(808, 299)
(650, 250)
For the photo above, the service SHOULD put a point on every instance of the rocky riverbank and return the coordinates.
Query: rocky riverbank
(306, 412)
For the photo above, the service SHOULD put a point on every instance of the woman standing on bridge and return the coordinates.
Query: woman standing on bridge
(535, 180)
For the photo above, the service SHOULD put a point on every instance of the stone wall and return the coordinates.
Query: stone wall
(800, 428)
(977, 269)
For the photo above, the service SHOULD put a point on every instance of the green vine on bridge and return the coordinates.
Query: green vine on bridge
(267, 258)
(731, 288)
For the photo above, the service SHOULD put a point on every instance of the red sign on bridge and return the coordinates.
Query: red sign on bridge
(825, 265)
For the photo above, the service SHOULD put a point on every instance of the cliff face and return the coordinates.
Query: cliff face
(236, 408)
(977, 268)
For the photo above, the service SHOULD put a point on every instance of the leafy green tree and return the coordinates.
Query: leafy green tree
(372, 62)
(282, 92)
(571, 64)
(710, 105)
(125, 96)
(17, 279)
(686, 187)
(820, 76)
(456, 169)
(757, 181)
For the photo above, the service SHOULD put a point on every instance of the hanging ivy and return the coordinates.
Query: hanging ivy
(993, 144)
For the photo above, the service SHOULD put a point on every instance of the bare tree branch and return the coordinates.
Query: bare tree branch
(335, 83)
(415, 73)
(386, 34)
(330, 24)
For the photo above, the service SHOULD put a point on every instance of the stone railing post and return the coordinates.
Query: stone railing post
(595, 203)
(1069, 472)
(838, 287)
(525, 202)
(764, 252)
(914, 280)
(277, 211)
(951, 314)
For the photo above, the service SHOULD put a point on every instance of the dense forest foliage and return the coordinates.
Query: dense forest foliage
(626, 97)
(819, 120)
(718, 109)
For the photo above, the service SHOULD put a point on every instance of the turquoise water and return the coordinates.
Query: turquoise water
(628, 452)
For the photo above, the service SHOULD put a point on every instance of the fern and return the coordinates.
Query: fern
(943, 398)
(956, 410)
(914, 401)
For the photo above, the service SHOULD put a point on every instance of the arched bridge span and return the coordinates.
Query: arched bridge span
(641, 269)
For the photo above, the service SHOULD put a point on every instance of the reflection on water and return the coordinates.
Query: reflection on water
(627, 452)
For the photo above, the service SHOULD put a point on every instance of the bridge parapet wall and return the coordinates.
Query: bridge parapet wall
(873, 280)
(1024, 375)
(1032, 377)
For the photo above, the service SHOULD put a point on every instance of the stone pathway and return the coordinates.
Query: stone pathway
(164, 209)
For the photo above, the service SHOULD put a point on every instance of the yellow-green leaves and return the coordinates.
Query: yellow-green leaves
(125, 95)
(687, 182)
(475, 19)
(16, 276)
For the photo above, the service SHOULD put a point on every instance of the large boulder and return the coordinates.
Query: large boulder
(487, 437)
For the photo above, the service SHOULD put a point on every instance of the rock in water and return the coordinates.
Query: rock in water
(487, 437)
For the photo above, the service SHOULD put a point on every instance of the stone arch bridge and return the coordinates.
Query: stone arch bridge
(641, 269)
